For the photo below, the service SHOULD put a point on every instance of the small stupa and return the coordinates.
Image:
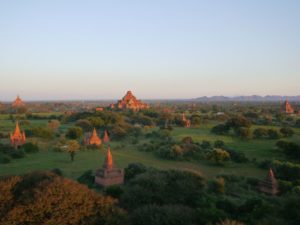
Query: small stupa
(106, 137)
(109, 174)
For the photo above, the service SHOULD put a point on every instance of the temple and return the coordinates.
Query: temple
(269, 186)
(187, 123)
(93, 139)
(106, 137)
(129, 101)
(287, 107)
(17, 138)
(109, 175)
(18, 102)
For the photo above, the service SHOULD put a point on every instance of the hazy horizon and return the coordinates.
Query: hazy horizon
(67, 50)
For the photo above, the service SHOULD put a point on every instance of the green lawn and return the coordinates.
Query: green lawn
(92, 159)
(89, 159)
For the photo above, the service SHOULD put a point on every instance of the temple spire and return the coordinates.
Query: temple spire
(108, 163)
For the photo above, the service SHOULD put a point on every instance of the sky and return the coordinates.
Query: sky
(94, 49)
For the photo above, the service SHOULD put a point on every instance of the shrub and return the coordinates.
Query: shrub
(30, 147)
(4, 158)
(17, 154)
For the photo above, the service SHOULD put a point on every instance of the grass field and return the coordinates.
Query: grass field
(92, 159)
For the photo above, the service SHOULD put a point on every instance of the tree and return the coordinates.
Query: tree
(220, 129)
(273, 134)
(195, 120)
(74, 133)
(73, 148)
(86, 125)
(218, 155)
(134, 169)
(287, 131)
(243, 132)
(53, 125)
(45, 198)
(260, 133)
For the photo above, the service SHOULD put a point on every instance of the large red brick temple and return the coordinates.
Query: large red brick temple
(18, 102)
(287, 107)
(109, 175)
(129, 101)
(93, 139)
(269, 186)
(17, 138)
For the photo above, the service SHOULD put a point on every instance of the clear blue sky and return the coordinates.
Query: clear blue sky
(60, 49)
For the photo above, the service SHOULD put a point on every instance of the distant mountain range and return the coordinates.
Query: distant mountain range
(252, 98)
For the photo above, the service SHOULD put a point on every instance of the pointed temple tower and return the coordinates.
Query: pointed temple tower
(269, 186)
(109, 175)
(129, 101)
(106, 137)
(187, 123)
(287, 107)
(18, 102)
(17, 138)
(93, 139)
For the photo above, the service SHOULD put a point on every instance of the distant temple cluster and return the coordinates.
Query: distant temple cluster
(94, 139)
(269, 186)
(17, 138)
(129, 101)
(109, 174)
(18, 102)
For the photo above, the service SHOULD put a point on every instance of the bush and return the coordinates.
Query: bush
(17, 154)
(134, 169)
(30, 148)
(219, 144)
(87, 178)
(4, 158)
(114, 191)
(220, 129)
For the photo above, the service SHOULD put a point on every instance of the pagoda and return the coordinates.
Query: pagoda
(269, 186)
(129, 101)
(17, 138)
(287, 107)
(93, 139)
(106, 137)
(109, 175)
(187, 123)
(18, 102)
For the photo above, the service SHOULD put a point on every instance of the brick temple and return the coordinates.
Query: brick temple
(287, 107)
(187, 122)
(109, 174)
(106, 137)
(17, 138)
(269, 186)
(93, 139)
(129, 101)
